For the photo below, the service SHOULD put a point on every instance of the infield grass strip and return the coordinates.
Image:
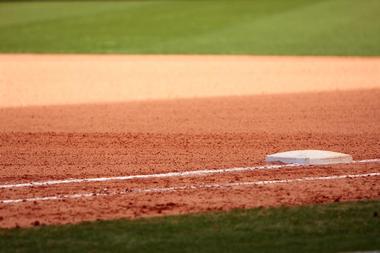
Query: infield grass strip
(262, 27)
(339, 227)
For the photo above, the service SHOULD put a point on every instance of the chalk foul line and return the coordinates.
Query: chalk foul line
(189, 187)
(169, 174)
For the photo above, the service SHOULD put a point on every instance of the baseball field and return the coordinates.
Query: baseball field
(144, 125)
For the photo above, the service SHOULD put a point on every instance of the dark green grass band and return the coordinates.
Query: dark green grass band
(339, 227)
(259, 27)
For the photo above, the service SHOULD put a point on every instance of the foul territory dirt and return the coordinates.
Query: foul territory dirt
(68, 136)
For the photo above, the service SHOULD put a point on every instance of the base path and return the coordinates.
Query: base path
(78, 122)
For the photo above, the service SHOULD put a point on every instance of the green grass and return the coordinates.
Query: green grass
(262, 27)
(320, 228)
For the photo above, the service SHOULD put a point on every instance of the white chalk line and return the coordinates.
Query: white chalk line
(189, 187)
(167, 175)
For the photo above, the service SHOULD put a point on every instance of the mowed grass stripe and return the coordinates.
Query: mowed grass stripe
(338, 227)
(261, 27)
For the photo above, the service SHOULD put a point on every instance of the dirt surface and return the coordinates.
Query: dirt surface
(113, 200)
(73, 79)
(39, 143)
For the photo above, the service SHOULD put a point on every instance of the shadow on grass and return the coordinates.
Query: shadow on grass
(336, 227)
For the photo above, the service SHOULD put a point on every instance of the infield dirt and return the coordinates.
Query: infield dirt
(151, 136)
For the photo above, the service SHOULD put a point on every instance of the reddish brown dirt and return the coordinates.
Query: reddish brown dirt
(143, 137)
(134, 205)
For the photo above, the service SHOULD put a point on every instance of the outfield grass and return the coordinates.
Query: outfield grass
(263, 27)
(320, 228)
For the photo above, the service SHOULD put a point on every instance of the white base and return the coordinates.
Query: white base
(309, 157)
